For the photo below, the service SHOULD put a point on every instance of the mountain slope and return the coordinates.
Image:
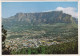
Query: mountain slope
(38, 18)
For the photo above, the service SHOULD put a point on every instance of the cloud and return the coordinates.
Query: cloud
(68, 10)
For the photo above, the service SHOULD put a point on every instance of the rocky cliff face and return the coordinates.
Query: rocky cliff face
(38, 18)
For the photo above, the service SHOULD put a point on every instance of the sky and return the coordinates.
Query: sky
(11, 8)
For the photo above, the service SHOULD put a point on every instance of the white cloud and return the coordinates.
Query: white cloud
(68, 10)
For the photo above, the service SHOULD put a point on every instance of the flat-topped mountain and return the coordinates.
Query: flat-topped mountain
(38, 18)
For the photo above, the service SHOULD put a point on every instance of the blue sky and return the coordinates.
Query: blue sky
(11, 8)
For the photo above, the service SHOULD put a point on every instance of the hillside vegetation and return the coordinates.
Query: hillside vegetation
(42, 33)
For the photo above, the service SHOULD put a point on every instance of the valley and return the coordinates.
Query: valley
(37, 35)
(27, 33)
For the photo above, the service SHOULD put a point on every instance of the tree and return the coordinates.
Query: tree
(4, 33)
(29, 51)
(4, 49)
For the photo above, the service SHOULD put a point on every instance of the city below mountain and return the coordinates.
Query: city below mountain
(51, 32)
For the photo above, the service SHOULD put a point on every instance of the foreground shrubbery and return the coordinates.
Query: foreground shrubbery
(65, 48)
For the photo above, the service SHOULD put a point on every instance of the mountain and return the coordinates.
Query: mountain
(38, 18)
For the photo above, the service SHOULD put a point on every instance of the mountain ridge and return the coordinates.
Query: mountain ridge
(39, 18)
